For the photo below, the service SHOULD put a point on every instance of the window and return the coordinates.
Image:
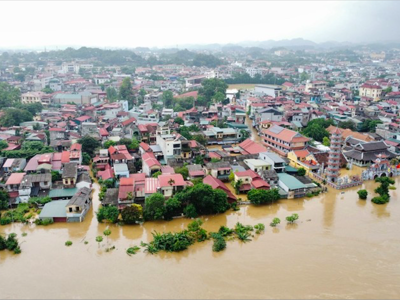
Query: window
(70, 209)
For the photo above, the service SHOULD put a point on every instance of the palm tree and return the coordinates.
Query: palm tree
(171, 182)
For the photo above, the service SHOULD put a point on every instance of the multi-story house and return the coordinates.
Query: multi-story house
(70, 175)
(370, 91)
(283, 140)
(32, 97)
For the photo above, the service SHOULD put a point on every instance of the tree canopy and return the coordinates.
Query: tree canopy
(89, 144)
(263, 196)
(154, 208)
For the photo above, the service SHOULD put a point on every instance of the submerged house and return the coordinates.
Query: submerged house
(73, 210)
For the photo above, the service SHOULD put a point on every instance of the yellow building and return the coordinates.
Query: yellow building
(371, 91)
(303, 159)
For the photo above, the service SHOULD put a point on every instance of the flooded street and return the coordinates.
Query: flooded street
(254, 133)
(341, 247)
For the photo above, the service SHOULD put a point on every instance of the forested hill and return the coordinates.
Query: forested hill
(103, 57)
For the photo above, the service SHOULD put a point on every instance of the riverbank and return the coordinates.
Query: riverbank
(336, 234)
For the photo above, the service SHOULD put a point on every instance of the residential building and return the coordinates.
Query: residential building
(283, 140)
(276, 162)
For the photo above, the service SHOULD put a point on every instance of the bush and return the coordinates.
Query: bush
(190, 211)
(275, 222)
(132, 214)
(380, 199)
(292, 218)
(5, 221)
(301, 172)
(263, 196)
(44, 222)
(362, 194)
(309, 195)
(259, 228)
(68, 243)
(10, 243)
(219, 243)
(132, 250)
(108, 213)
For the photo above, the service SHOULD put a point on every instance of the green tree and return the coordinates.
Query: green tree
(15, 116)
(301, 172)
(109, 143)
(369, 125)
(362, 194)
(292, 218)
(263, 196)
(3, 144)
(383, 189)
(388, 90)
(132, 214)
(173, 207)
(326, 141)
(108, 213)
(126, 91)
(85, 158)
(112, 94)
(156, 174)
(99, 239)
(237, 186)
(316, 132)
(154, 208)
(179, 121)
(201, 139)
(210, 88)
(125, 141)
(167, 98)
(347, 124)
(183, 171)
(47, 90)
(4, 200)
(231, 177)
(134, 145)
(55, 176)
(275, 222)
(9, 95)
(89, 144)
(204, 200)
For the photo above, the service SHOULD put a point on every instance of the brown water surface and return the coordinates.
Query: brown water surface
(341, 247)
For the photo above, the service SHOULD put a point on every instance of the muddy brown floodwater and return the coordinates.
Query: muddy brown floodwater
(341, 247)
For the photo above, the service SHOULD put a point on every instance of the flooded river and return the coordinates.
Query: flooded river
(341, 247)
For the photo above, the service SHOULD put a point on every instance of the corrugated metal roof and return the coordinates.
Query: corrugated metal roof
(54, 209)
(290, 181)
(57, 193)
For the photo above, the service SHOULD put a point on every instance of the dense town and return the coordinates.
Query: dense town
(184, 133)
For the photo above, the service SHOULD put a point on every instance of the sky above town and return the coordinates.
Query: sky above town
(34, 24)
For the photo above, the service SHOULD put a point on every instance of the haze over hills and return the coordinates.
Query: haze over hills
(291, 44)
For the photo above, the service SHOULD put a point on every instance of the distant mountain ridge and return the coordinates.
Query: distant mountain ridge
(293, 44)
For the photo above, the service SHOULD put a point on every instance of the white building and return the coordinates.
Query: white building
(267, 90)
(70, 68)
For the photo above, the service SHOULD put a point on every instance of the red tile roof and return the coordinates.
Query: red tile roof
(65, 157)
(15, 178)
(150, 160)
(76, 146)
(301, 153)
(145, 146)
(164, 180)
(218, 184)
(129, 121)
(252, 147)
(127, 181)
(83, 118)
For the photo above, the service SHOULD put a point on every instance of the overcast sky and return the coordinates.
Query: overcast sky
(34, 24)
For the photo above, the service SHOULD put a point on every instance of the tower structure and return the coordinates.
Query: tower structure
(332, 170)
